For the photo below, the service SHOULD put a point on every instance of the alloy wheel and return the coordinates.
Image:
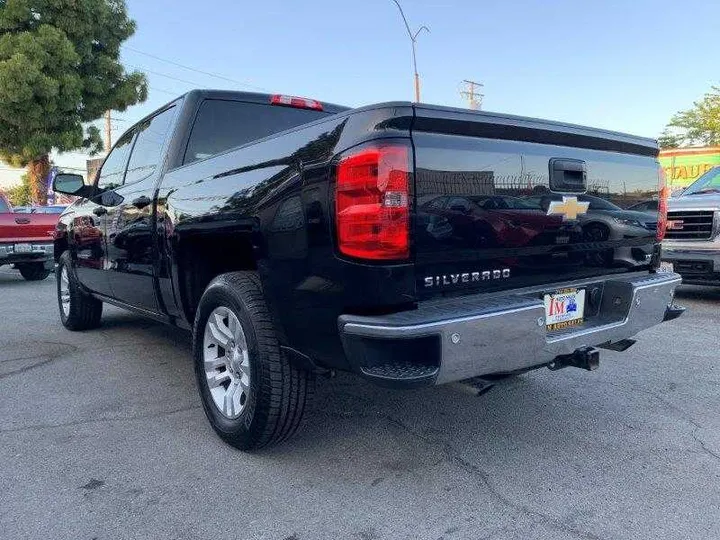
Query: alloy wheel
(65, 291)
(227, 362)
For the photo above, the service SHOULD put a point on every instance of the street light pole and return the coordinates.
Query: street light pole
(413, 40)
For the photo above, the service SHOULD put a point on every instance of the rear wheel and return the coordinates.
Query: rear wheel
(252, 395)
(78, 310)
(596, 232)
(33, 271)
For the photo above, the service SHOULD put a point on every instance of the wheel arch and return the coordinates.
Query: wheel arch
(60, 246)
(598, 223)
(202, 256)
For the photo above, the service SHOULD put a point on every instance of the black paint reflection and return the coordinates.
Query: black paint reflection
(485, 205)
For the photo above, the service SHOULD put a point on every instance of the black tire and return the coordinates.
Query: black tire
(278, 391)
(85, 311)
(596, 232)
(33, 271)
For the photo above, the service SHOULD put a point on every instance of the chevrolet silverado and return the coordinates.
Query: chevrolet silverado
(410, 244)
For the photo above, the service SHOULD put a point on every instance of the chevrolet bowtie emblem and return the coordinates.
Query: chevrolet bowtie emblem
(569, 208)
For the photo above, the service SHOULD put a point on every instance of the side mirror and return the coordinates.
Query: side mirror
(70, 184)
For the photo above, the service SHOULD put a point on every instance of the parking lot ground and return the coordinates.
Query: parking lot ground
(102, 436)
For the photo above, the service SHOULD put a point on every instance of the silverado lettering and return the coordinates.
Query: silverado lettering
(466, 277)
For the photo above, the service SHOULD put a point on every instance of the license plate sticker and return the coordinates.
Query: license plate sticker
(666, 266)
(23, 248)
(564, 308)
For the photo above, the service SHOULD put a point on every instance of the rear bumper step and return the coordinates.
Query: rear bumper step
(460, 338)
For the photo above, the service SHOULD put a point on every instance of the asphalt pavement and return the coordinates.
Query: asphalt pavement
(102, 436)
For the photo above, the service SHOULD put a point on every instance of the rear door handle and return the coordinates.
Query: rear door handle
(22, 221)
(141, 202)
(99, 211)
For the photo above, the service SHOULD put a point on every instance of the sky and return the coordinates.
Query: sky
(622, 65)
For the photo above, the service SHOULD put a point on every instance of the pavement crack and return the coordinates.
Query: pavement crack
(453, 457)
(696, 426)
(65, 350)
(703, 445)
(39, 427)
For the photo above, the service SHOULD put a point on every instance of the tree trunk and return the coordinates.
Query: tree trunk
(38, 171)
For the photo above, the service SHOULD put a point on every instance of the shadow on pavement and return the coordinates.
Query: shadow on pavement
(697, 292)
(9, 277)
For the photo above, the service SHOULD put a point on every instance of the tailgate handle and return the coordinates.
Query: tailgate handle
(568, 175)
(22, 220)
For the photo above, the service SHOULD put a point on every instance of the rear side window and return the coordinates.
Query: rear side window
(3, 207)
(147, 152)
(221, 125)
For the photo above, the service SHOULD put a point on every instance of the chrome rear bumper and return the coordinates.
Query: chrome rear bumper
(39, 252)
(483, 334)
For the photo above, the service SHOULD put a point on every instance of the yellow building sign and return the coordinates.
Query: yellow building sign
(685, 165)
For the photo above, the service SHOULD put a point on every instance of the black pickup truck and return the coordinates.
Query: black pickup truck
(411, 244)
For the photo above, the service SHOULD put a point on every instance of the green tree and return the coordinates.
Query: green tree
(59, 70)
(20, 195)
(669, 140)
(699, 124)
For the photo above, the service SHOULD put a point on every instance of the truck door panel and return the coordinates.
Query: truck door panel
(88, 228)
(131, 252)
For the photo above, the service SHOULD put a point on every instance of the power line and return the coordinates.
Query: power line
(25, 170)
(189, 68)
(413, 40)
(197, 85)
(165, 91)
(472, 94)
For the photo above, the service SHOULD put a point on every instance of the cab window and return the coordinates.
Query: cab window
(707, 183)
(221, 125)
(148, 149)
(112, 174)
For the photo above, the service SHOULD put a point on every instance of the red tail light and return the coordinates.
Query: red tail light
(372, 206)
(296, 102)
(662, 206)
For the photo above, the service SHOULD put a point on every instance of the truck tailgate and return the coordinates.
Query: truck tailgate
(505, 202)
(27, 227)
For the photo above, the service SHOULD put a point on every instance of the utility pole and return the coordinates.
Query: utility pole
(472, 94)
(108, 132)
(413, 39)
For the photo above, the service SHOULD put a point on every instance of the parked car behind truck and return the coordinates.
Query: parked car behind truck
(294, 237)
(26, 241)
(692, 242)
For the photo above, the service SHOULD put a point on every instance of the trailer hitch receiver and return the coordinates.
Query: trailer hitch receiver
(584, 358)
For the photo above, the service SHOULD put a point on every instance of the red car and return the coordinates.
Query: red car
(493, 221)
(26, 241)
